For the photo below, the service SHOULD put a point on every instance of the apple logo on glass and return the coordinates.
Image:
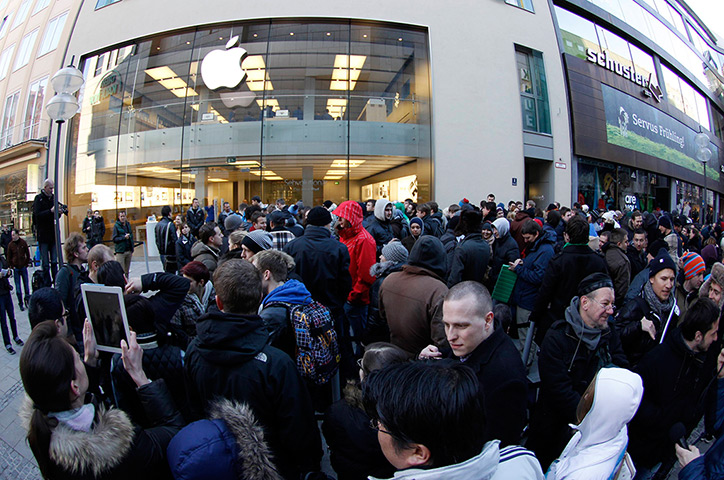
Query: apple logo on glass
(222, 68)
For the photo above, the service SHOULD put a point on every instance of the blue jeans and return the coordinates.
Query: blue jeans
(45, 250)
(7, 311)
(18, 274)
(357, 321)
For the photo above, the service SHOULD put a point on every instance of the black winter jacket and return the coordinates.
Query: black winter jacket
(195, 219)
(636, 343)
(380, 231)
(171, 291)
(43, 218)
(503, 386)
(183, 249)
(322, 262)
(560, 284)
(505, 250)
(469, 260)
(675, 382)
(165, 232)
(230, 358)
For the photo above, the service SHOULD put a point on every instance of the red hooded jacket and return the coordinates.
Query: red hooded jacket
(362, 252)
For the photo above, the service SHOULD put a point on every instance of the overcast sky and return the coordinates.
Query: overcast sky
(711, 13)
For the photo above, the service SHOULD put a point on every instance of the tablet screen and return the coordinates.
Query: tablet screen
(106, 314)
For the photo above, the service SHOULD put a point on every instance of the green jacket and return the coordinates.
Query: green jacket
(120, 230)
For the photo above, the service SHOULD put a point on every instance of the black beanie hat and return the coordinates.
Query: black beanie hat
(319, 217)
(593, 282)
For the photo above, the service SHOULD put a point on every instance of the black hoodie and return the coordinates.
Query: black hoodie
(230, 358)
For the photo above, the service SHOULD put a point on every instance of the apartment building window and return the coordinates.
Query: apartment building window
(25, 49)
(34, 109)
(52, 34)
(4, 25)
(40, 6)
(5, 58)
(533, 90)
(11, 108)
(22, 14)
(105, 3)
(524, 4)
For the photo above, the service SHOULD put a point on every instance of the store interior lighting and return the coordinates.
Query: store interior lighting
(347, 69)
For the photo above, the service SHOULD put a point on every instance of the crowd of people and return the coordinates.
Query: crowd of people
(413, 332)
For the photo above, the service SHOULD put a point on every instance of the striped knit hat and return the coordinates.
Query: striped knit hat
(693, 265)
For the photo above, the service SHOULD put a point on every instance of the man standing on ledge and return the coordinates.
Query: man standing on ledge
(43, 218)
(123, 238)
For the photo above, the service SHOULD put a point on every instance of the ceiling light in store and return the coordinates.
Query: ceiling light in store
(333, 177)
(264, 103)
(171, 81)
(343, 163)
(216, 180)
(158, 170)
(268, 174)
(246, 164)
(346, 71)
(219, 116)
(336, 172)
(336, 106)
(256, 73)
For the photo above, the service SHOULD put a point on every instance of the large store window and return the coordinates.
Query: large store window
(533, 90)
(317, 111)
(685, 98)
(605, 185)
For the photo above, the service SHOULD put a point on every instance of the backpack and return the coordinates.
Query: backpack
(317, 349)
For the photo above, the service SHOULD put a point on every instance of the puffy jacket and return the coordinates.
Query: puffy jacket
(433, 225)
(619, 267)
(170, 291)
(469, 260)
(120, 230)
(195, 219)
(362, 252)
(115, 448)
(505, 251)
(165, 232)
(205, 254)
(531, 271)
(377, 330)
(229, 445)
(230, 358)
(323, 264)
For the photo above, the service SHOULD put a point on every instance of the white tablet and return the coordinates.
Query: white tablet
(105, 308)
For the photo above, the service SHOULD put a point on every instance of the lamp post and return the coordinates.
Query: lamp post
(703, 154)
(63, 106)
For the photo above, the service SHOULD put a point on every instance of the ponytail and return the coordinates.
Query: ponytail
(39, 433)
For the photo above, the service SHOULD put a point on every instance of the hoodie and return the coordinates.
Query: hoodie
(379, 227)
(362, 252)
(275, 314)
(231, 358)
(597, 448)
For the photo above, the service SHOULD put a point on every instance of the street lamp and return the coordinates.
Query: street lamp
(703, 154)
(63, 106)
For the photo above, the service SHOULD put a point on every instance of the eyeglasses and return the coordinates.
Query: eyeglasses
(606, 306)
(375, 425)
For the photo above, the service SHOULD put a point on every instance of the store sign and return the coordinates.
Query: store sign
(109, 86)
(636, 125)
(631, 202)
(222, 68)
(603, 59)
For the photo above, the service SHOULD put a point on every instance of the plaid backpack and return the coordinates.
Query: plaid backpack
(317, 349)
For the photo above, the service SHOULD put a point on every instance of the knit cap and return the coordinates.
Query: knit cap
(693, 265)
(232, 222)
(257, 241)
(395, 252)
(663, 260)
(319, 217)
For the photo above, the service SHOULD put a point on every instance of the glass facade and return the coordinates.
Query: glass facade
(533, 90)
(605, 185)
(320, 111)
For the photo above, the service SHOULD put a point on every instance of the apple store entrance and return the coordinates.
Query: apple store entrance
(308, 111)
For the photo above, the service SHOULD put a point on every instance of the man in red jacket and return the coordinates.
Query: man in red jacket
(362, 254)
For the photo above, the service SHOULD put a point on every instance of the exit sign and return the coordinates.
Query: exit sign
(230, 159)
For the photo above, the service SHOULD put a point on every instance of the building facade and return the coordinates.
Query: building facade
(324, 100)
(33, 37)
(644, 78)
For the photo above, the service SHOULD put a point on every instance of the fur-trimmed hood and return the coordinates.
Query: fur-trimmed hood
(94, 452)
(229, 445)
(717, 275)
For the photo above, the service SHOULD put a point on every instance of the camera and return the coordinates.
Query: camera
(63, 208)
